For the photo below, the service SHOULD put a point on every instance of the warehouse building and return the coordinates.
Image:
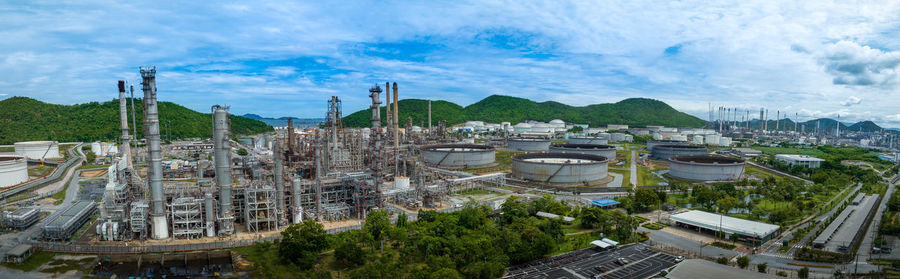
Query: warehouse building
(750, 232)
(847, 229)
(746, 152)
(802, 160)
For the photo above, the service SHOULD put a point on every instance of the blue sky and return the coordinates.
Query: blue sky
(287, 58)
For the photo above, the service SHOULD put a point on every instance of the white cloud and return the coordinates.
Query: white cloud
(852, 100)
(853, 64)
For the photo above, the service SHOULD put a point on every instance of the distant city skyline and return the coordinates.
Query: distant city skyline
(279, 59)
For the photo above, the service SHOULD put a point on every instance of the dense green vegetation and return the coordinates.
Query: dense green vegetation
(497, 108)
(25, 119)
(474, 242)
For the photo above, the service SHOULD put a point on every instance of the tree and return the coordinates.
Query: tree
(90, 157)
(743, 261)
(591, 217)
(803, 273)
(350, 254)
(727, 203)
(761, 267)
(705, 196)
(734, 238)
(242, 152)
(377, 224)
(302, 242)
(722, 260)
(645, 198)
(513, 209)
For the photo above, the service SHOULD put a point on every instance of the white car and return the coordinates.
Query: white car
(679, 259)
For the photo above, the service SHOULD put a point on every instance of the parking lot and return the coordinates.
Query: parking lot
(642, 263)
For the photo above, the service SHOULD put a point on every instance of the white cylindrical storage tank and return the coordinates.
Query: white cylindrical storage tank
(698, 140)
(665, 151)
(712, 139)
(528, 144)
(401, 182)
(37, 149)
(560, 168)
(725, 141)
(541, 128)
(652, 143)
(104, 149)
(95, 147)
(13, 170)
(607, 151)
(706, 168)
(458, 155)
(588, 140)
(678, 138)
(522, 127)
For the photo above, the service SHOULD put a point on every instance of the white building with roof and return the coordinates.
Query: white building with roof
(748, 231)
(799, 159)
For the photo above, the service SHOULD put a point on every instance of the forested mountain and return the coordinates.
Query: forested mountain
(497, 108)
(26, 119)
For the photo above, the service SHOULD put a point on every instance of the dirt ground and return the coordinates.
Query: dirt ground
(93, 173)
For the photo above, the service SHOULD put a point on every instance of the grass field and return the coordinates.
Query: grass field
(789, 150)
(36, 260)
(39, 171)
(647, 178)
(760, 173)
(503, 158)
(475, 192)
(626, 176)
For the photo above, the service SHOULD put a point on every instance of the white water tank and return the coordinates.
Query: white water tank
(97, 149)
(725, 141)
(698, 140)
(13, 170)
(38, 149)
(712, 139)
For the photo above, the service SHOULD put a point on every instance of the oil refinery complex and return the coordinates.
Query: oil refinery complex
(217, 191)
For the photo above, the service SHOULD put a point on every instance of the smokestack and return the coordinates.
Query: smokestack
(222, 156)
(777, 119)
(277, 155)
(429, 116)
(154, 171)
(125, 147)
(396, 133)
(387, 110)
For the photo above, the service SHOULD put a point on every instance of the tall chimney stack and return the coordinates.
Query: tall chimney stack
(429, 116)
(154, 171)
(396, 134)
(387, 110)
(125, 147)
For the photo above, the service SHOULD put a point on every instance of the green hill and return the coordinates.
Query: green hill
(25, 119)
(864, 126)
(496, 108)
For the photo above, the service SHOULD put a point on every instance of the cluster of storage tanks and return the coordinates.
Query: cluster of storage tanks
(693, 162)
(104, 149)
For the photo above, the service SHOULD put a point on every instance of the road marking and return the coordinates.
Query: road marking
(573, 273)
(630, 264)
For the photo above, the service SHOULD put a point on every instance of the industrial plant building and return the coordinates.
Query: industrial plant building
(750, 232)
(799, 160)
(22, 218)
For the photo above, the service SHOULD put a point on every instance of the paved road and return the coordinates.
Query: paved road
(634, 174)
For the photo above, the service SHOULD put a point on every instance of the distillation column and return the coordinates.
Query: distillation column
(222, 156)
(154, 171)
(295, 199)
(278, 155)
